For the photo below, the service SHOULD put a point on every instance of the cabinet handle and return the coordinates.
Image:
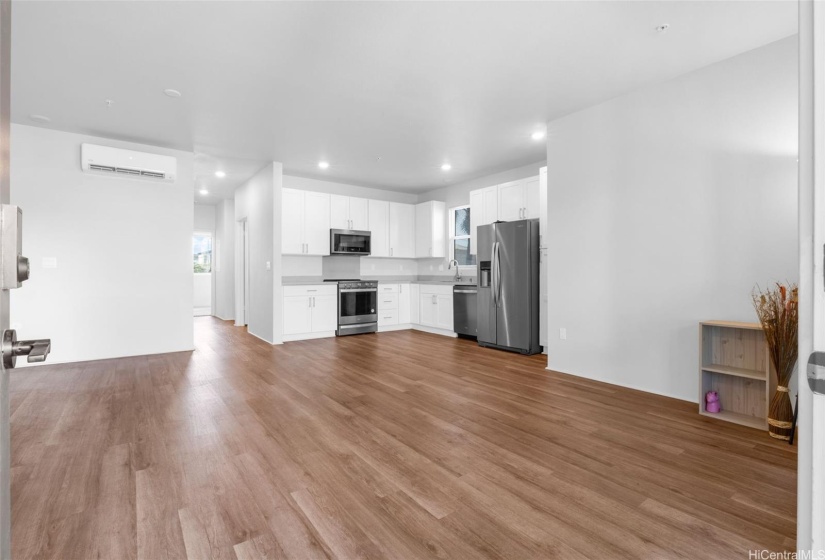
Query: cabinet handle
(390, 251)
(312, 290)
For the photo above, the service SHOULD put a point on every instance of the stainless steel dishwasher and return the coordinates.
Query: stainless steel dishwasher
(465, 310)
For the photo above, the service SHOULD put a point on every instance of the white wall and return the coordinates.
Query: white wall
(224, 270)
(204, 219)
(259, 201)
(123, 282)
(665, 207)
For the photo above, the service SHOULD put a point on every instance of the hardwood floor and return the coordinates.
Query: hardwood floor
(396, 445)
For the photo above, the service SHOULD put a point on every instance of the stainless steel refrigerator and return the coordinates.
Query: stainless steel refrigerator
(508, 286)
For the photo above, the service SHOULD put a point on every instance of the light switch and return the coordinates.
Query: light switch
(563, 333)
(49, 262)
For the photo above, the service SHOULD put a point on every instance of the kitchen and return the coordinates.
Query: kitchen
(355, 265)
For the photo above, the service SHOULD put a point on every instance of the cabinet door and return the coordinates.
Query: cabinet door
(324, 313)
(297, 315)
(379, 214)
(316, 223)
(423, 230)
(511, 201)
(532, 202)
(404, 304)
(292, 222)
(429, 310)
(415, 304)
(489, 205)
(359, 214)
(338, 212)
(444, 312)
(402, 230)
(476, 210)
(438, 214)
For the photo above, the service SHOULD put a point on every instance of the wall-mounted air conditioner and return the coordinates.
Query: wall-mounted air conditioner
(103, 159)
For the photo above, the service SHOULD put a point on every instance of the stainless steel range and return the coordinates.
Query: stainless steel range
(357, 306)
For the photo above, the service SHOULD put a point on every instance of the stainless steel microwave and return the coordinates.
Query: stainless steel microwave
(349, 242)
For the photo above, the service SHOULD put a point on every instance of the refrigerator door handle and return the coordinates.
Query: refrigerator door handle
(498, 273)
(493, 272)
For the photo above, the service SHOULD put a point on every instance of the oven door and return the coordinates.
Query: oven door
(349, 242)
(357, 305)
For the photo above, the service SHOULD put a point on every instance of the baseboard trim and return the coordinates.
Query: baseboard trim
(308, 336)
(389, 328)
(625, 385)
(434, 330)
(259, 337)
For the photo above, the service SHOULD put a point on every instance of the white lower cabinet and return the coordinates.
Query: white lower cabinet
(415, 310)
(435, 305)
(404, 311)
(310, 311)
(393, 305)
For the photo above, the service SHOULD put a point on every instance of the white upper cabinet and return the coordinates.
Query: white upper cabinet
(292, 222)
(512, 200)
(483, 211)
(347, 212)
(430, 229)
(379, 214)
(518, 200)
(402, 226)
(533, 197)
(305, 223)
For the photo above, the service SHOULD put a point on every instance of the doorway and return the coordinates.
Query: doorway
(202, 245)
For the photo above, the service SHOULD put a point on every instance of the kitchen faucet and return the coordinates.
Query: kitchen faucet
(457, 271)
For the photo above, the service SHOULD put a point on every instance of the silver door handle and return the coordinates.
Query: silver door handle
(816, 372)
(34, 350)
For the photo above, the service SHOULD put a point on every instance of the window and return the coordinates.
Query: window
(460, 229)
(202, 252)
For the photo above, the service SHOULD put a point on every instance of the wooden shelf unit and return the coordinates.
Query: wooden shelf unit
(734, 362)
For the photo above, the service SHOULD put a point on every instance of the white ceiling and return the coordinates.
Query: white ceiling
(415, 84)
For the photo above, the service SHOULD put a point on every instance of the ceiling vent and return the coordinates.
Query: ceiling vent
(104, 159)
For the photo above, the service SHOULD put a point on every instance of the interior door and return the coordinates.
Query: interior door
(5, 441)
(811, 405)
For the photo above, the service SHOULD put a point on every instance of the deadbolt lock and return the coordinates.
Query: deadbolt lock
(34, 350)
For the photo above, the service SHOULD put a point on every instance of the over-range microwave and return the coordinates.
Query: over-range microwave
(349, 242)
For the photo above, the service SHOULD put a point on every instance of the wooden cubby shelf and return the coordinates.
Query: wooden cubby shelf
(734, 362)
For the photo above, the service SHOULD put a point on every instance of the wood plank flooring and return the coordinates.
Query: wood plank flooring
(396, 445)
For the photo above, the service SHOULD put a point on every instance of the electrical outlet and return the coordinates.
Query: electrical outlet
(563, 333)
(268, 265)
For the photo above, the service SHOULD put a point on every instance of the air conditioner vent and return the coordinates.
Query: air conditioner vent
(128, 171)
(142, 165)
(97, 167)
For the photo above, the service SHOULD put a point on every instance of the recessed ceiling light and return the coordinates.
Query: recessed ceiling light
(172, 93)
(323, 164)
(220, 174)
(537, 135)
(40, 118)
(446, 167)
(662, 28)
(204, 192)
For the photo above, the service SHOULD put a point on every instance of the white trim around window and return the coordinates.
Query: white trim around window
(452, 237)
